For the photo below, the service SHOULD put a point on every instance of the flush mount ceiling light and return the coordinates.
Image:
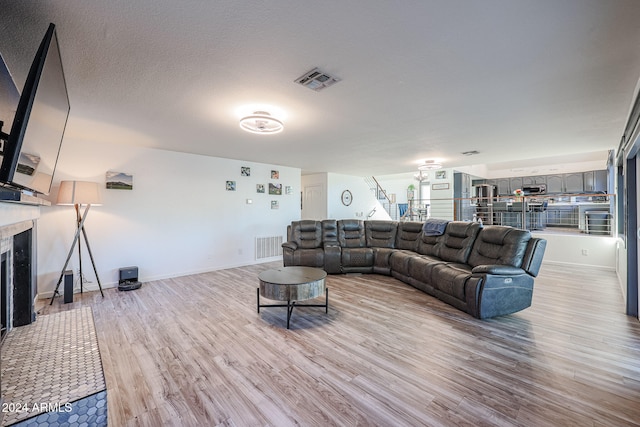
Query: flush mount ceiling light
(261, 122)
(429, 165)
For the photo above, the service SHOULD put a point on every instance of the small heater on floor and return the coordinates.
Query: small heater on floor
(128, 279)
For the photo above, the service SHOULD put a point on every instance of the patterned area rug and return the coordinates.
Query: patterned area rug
(51, 370)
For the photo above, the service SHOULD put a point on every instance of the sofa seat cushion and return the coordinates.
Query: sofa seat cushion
(306, 257)
(451, 279)
(399, 261)
(382, 260)
(421, 267)
(357, 257)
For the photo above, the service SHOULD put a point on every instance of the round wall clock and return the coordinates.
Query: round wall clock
(347, 197)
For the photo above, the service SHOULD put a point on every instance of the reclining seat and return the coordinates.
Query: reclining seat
(453, 245)
(381, 236)
(406, 245)
(355, 256)
(448, 278)
(305, 247)
(505, 260)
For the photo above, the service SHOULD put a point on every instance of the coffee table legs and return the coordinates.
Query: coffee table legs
(291, 304)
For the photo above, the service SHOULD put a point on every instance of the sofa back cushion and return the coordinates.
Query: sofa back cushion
(408, 233)
(351, 233)
(457, 241)
(330, 231)
(428, 245)
(380, 234)
(307, 233)
(499, 245)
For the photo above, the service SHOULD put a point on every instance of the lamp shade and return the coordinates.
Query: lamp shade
(79, 193)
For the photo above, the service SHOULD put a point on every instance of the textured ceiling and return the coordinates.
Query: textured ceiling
(425, 79)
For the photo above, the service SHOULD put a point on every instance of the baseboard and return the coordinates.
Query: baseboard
(573, 264)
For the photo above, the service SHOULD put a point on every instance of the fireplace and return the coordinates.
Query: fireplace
(17, 275)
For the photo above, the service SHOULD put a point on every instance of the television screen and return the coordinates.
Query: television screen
(9, 97)
(31, 151)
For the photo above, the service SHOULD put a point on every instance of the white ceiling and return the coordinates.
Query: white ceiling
(551, 80)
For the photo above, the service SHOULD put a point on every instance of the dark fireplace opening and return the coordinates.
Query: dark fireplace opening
(24, 289)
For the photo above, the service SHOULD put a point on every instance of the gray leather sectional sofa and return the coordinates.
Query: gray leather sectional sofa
(485, 271)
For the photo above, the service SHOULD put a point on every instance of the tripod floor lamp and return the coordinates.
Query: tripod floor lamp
(78, 194)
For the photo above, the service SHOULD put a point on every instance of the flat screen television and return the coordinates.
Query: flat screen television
(30, 150)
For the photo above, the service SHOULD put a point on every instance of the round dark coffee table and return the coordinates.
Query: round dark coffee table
(293, 284)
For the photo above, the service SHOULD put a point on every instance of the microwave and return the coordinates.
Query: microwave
(531, 190)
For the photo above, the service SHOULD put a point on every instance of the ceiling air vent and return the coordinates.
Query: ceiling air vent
(316, 80)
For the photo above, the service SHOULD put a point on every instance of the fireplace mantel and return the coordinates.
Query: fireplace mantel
(15, 211)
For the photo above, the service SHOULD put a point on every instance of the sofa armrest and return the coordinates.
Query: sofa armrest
(533, 256)
(496, 269)
(290, 245)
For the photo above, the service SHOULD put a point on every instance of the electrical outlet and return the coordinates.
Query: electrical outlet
(585, 252)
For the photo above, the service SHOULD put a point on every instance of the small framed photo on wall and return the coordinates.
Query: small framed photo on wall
(119, 181)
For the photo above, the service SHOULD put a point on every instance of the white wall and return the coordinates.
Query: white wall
(596, 251)
(364, 204)
(178, 219)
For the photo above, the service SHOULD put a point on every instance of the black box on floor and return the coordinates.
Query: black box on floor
(128, 280)
(68, 286)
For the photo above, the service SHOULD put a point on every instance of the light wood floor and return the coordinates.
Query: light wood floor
(192, 351)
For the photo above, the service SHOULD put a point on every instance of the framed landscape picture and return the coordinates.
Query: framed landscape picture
(119, 181)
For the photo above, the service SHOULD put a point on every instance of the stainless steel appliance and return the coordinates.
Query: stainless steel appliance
(485, 195)
(532, 190)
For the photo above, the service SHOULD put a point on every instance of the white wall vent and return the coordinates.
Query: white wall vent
(316, 80)
(267, 247)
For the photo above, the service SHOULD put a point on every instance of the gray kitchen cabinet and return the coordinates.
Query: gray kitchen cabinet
(555, 184)
(515, 183)
(595, 181)
(589, 181)
(534, 180)
(574, 183)
(601, 181)
(503, 186)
